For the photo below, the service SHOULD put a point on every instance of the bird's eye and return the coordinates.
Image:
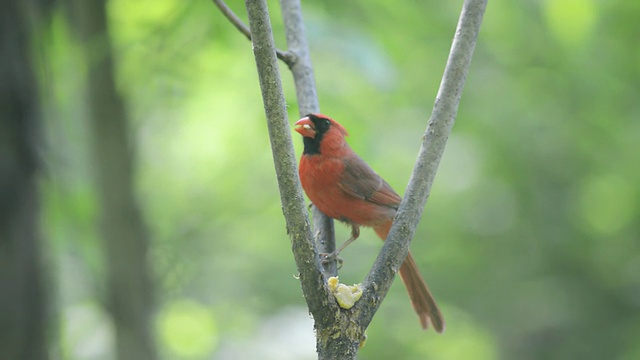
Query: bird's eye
(327, 122)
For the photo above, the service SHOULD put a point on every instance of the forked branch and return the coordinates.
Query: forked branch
(338, 330)
(286, 57)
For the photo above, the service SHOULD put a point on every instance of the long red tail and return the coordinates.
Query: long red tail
(421, 299)
(423, 302)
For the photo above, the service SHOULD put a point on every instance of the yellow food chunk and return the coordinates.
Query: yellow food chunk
(346, 296)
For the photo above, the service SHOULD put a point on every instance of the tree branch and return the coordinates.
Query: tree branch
(334, 340)
(319, 300)
(307, 96)
(286, 57)
(395, 249)
(338, 331)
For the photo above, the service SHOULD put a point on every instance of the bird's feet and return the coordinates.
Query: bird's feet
(326, 258)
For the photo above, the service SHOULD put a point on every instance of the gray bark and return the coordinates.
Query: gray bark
(307, 96)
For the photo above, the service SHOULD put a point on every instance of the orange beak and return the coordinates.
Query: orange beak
(305, 127)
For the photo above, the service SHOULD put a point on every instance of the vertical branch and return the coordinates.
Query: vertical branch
(337, 337)
(307, 96)
(302, 69)
(395, 249)
(313, 284)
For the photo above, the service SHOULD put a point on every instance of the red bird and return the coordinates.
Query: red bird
(344, 187)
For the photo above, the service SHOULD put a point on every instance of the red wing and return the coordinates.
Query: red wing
(360, 181)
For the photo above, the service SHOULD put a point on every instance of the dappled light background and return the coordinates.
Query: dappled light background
(530, 240)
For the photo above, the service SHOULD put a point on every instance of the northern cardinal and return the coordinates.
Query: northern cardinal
(341, 185)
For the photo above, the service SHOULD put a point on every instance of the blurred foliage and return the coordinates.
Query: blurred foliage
(530, 239)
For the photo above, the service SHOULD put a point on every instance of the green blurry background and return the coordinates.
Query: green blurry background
(531, 237)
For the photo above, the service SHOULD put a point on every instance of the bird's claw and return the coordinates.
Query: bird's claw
(326, 258)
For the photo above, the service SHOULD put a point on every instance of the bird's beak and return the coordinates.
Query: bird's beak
(305, 127)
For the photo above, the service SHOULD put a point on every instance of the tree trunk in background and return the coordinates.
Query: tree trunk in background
(123, 231)
(23, 315)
